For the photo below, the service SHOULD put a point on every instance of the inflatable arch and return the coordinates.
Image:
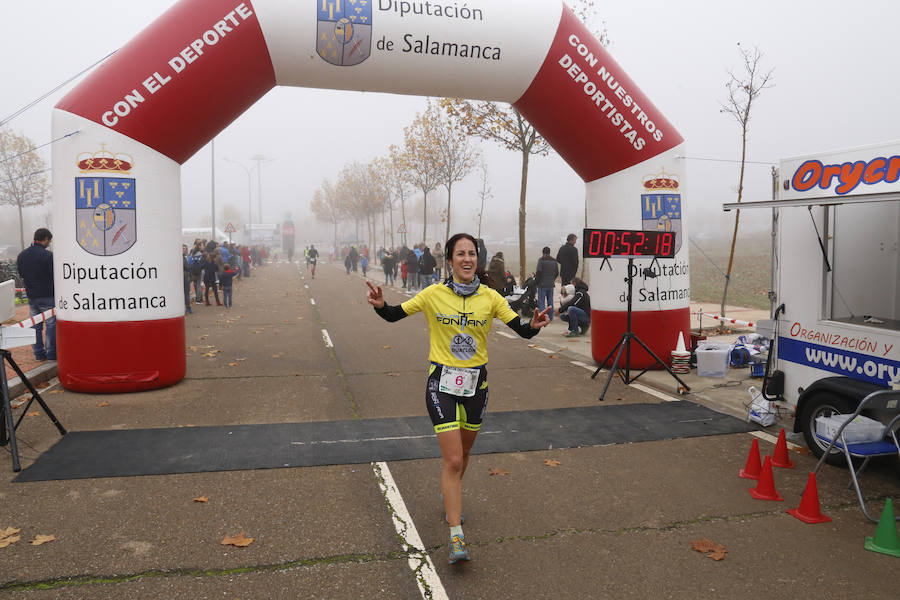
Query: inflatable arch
(163, 96)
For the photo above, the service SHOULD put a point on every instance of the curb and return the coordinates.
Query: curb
(40, 374)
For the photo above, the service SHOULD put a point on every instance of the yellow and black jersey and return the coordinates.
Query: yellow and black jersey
(458, 325)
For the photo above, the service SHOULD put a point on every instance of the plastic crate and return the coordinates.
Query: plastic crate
(860, 430)
(712, 359)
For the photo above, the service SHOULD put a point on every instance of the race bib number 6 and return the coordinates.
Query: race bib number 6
(459, 381)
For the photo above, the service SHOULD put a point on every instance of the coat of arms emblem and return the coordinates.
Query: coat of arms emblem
(105, 214)
(661, 205)
(344, 33)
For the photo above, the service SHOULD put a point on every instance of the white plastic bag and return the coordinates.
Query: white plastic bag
(761, 410)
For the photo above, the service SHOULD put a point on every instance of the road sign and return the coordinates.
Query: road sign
(230, 228)
(402, 228)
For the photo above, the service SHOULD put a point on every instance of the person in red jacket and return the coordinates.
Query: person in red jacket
(246, 259)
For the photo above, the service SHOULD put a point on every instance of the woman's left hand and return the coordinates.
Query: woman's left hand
(540, 319)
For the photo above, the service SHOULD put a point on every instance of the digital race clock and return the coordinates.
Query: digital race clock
(627, 243)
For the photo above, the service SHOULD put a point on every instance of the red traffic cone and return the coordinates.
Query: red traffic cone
(809, 511)
(752, 468)
(781, 459)
(765, 489)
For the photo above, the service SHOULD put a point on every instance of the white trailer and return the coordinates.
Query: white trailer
(836, 226)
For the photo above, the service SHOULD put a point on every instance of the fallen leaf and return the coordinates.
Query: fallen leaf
(55, 392)
(802, 450)
(552, 356)
(42, 539)
(203, 337)
(239, 540)
(393, 374)
(102, 404)
(193, 348)
(201, 499)
(709, 548)
(33, 413)
(4, 542)
(232, 364)
(551, 462)
(385, 347)
(532, 345)
(5, 533)
(498, 471)
(276, 356)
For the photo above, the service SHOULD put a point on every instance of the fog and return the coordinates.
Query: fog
(833, 89)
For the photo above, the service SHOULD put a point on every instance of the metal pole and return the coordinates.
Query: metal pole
(212, 171)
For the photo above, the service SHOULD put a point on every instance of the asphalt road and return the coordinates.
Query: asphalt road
(612, 521)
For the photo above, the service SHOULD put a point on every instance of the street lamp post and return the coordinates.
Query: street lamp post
(249, 197)
(260, 159)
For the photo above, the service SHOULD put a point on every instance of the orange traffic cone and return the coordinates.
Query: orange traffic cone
(809, 511)
(752, 468)
(765, 489)
(781, 459)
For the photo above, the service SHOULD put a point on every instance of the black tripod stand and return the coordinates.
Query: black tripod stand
(624, 343)
(7, 427)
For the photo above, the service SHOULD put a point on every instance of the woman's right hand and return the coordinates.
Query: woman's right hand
(374, 296)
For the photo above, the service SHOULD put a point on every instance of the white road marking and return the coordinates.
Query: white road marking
(652, 392)
(327, 339)
(506, 335)
(773, 439)
(578, 363)
(429, 583)
(306, 285)
(379, 439)
(545, 350)
(312, 301)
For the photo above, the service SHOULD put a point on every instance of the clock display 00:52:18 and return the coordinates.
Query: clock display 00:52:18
(609, 243)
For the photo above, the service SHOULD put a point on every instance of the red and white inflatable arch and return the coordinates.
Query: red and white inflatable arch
(117, 198)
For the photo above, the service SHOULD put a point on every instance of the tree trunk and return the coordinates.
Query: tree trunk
(447, 237)
(21, 227)
(392, 224)
(523, 187)
(737, 215)
(424, 215)
(403, 216)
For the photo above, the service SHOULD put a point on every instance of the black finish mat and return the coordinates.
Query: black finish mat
(121, 453)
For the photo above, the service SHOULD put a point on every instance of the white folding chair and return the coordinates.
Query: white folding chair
(880, 400)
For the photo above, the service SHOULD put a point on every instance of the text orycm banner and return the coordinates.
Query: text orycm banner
(843, 362)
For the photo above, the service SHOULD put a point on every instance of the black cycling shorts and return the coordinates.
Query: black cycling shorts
(449, 412)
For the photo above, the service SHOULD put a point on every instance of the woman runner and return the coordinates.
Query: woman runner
(459, 315)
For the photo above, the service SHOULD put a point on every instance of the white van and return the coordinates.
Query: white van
(836, 225)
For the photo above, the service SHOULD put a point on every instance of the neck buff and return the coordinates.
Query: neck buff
(463, 289)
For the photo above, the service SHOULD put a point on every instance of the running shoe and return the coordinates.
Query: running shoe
(458, 549)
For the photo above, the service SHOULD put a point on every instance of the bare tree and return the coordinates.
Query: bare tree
(420, 161)
(505, 125)
(23, 181)
(455, 156)
(399, 185)
(743, 91)
(484, 193)
(326, 207)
